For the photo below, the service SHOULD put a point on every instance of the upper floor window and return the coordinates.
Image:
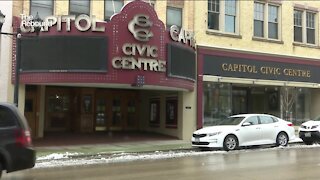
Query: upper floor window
(266, 25)
(310, 28)
(77, 7)
(297, 26)
(111, 7)
(174, 16)
(222, 15)
(304, 26)
(44, 8)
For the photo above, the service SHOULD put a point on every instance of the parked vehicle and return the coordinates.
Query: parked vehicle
(245, 130)
(309, 131)
(16, 151)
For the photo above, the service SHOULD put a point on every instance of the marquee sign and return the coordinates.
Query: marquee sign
(139, 55)
(246, 68)
(82, 23)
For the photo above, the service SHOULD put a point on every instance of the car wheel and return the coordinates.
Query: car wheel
(282, 139)
(308, 142)
(230, 143)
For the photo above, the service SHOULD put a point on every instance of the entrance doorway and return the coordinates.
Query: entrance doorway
(91, 109)
(116, 110)
(30, 109)
(58, 109)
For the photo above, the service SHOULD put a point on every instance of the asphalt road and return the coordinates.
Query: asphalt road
(270, 164)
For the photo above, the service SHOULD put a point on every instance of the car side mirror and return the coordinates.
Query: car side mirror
(246, 124)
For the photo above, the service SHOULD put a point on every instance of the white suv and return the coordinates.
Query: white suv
(309, 131)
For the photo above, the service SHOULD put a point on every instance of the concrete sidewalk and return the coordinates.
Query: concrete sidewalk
(135, 146)
(116, 148)
(113, 148)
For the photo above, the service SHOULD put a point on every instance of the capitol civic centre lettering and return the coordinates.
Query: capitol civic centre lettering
(28, 24)
(137, 55)
(257, 69)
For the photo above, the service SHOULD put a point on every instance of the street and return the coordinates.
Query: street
(295, 162)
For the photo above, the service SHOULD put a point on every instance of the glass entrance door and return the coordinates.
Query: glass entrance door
(58, 109)
(116, 110)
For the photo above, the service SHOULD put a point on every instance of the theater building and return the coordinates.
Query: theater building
(257, 57)
(125, 72)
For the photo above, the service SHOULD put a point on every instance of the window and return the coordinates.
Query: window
(304, 26)
(222, 15)
(150, 2)
(273, 22)
(266, 120)
(253, 120)
(230, 16)
(310, 28)
(297, 26)
(7, 118)
(258, 19)
(266, 25)
(171, 112)
(216, 102)
(154, 112)
(174, 17)
(44, 8)
(213, 14)
(111, 7)
(78, 7)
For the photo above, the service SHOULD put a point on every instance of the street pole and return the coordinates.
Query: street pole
(17, 70)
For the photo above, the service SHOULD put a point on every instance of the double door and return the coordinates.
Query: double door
(116, 110)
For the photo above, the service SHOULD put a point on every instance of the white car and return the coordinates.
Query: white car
(309, 131)
(245, 130)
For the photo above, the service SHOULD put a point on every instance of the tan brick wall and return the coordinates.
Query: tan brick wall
(246, 31)
(61, 7)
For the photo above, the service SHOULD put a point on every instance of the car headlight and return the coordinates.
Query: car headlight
(302, 126)
(214, 134)
(314, 127)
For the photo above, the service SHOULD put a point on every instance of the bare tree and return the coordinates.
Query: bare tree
(288, 98)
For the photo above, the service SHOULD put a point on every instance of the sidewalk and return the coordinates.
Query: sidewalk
(115, 148)
(120, 147)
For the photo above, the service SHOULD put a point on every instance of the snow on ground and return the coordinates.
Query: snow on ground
(68, 159)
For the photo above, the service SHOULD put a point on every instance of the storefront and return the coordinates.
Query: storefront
(131, 73)
(233, 82)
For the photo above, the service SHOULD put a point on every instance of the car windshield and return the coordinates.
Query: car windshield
(231, 121)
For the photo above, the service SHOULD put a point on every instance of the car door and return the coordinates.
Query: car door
(269, 129)
(250, 135)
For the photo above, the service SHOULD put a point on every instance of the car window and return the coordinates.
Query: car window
(266, 120)
(7, 118)
(231, 121)
(253, 120)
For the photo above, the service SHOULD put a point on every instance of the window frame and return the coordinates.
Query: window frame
(181, 16)
(78, 13)
(222, 16)
(297, 25)
(105, 9)
(31, 7)
(266, 21)
(304, 26)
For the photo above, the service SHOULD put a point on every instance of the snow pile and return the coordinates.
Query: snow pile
(58, 156)
(121, 157)
(60, 160)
